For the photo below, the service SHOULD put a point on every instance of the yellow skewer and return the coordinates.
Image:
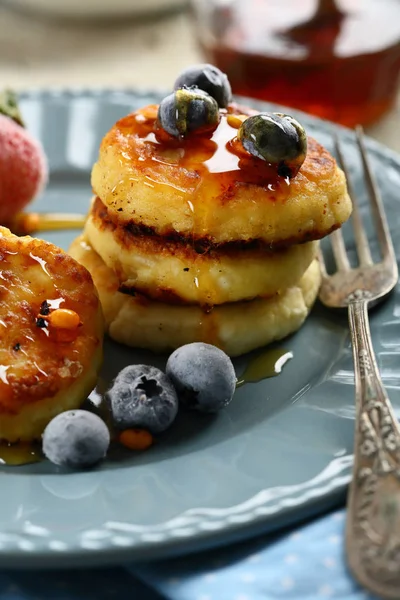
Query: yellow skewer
(28, 223)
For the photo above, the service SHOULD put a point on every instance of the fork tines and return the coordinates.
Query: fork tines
(378, 213)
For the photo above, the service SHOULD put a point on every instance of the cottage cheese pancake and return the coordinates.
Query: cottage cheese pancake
(177, 272)
(205, 221)
(208, 188)
(236, 328)
(51, 330)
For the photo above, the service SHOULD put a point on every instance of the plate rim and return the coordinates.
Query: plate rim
(186, 532)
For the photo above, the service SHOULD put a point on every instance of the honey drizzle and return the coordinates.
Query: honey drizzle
(216, 158)
(280, 52)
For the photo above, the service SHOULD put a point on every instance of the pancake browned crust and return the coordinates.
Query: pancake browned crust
(43, 371)
(211, 189)
(175, 272)
(236, 328)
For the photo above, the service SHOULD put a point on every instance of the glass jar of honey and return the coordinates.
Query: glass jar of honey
(337, 59)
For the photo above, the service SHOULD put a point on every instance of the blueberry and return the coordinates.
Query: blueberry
(76, 438)
(203, 376)
(207, 78)
(276, 138)
(188, 110)
(143, 396)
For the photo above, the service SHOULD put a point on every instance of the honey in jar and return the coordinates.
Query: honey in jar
(337, 59)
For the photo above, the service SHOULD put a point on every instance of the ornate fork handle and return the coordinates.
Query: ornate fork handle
(373, 522)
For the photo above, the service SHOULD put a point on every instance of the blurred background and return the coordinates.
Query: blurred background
(339, 59)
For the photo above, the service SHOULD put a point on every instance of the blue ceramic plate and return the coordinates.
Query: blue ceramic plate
(280, 452)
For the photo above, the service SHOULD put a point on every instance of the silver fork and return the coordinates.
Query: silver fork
(373, 504)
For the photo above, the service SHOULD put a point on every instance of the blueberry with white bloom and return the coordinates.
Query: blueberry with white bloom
(203, 376)
(143, 397)
(76, 439)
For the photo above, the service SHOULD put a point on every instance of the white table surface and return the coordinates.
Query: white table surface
(36, 52)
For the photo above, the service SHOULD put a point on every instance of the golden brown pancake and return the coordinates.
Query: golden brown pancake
(210, 189)
(175, 272)
(44, 369)
(236, 328)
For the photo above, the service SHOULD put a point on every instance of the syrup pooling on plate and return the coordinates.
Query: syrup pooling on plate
(199, 167)
(268, 364)
(20, 454)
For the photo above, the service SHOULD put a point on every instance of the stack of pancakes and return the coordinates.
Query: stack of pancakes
(197, 240)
